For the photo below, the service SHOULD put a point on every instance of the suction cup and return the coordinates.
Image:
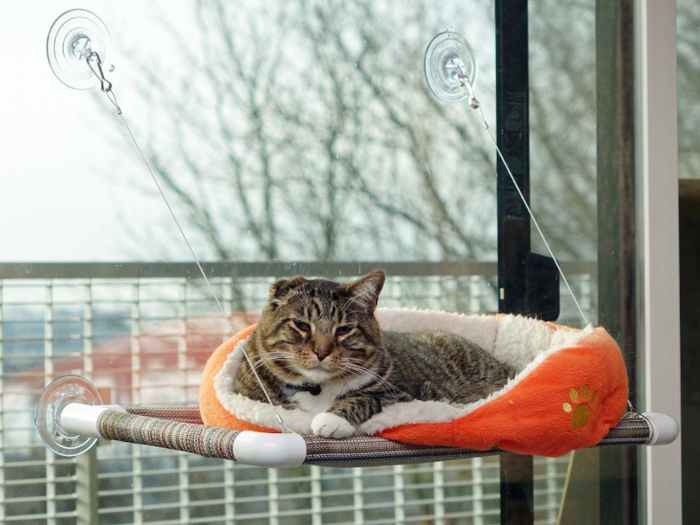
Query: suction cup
(73, 39)
(450, 66)
(60, 393)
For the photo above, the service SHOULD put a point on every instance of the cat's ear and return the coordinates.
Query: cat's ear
(282, 287)
(365, 290)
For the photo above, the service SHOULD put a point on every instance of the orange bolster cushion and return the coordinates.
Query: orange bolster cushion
(570, 389)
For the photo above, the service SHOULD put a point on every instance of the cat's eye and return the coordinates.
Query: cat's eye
(301, 325)
(343, 330)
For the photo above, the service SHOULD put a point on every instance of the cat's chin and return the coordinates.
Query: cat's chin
(318, 374)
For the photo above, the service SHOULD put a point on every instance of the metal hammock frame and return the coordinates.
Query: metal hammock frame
(181, 428)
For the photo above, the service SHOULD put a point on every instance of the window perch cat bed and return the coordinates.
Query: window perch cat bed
(570, 391)
(560, 370)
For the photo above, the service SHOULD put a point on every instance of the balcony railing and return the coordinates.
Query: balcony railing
(141, 332)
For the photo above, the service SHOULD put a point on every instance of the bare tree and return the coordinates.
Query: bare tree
(563, 126)
(688, 89)
(305, 130)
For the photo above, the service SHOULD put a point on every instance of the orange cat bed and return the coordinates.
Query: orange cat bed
(570, 389)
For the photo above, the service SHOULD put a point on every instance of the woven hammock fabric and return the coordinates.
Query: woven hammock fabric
(163, 427)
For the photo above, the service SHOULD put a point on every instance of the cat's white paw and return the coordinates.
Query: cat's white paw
(329, 425)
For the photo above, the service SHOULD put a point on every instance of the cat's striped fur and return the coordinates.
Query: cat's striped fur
(318, 333)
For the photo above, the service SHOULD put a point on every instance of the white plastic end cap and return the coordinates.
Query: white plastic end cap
(664, 428)
(262, 449)
(83, 419)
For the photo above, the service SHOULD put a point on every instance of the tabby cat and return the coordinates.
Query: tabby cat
(318, 347)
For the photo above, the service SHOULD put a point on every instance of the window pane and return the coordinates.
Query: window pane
(289, 137)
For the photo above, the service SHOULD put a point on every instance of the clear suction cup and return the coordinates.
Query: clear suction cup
(73, 40)
(450, 67)
(60, 393)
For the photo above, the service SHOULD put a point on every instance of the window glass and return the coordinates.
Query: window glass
(688, 90)
(288, 137)
(688, 15)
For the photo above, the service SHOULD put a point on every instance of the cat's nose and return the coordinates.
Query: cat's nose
(322, 352)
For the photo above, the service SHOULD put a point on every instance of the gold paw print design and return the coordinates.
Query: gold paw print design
(581, 408)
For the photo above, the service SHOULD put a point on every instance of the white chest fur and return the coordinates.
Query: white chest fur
(329, 393)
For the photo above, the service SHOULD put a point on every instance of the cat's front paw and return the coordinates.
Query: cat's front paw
(329, 425)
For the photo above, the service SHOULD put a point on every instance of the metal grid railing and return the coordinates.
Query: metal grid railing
(144, 340)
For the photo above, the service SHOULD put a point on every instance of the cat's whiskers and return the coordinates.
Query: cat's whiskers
(362, 362)
(358, 370)
(362, 369)
(255, 366)
(271, 357)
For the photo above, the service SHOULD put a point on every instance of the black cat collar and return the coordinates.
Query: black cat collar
(290, 390)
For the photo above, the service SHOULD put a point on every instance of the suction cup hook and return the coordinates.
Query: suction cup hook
(450, 67)
(60, 393)
(75, 38)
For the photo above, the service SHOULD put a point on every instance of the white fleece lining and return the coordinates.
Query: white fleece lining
(520, 342)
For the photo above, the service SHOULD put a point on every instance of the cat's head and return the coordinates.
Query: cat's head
(319, 330)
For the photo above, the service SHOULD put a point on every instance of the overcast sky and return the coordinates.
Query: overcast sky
(56, 200)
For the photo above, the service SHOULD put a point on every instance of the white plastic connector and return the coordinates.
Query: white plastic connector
(664, 428)
(83, 419)
(262, 449)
